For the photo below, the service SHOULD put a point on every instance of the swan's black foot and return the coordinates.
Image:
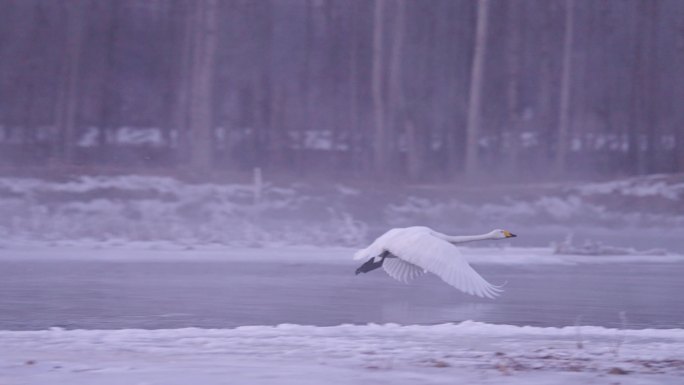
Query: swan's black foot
(372, 264)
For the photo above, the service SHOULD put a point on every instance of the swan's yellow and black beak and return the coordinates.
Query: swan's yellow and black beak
(508, 234)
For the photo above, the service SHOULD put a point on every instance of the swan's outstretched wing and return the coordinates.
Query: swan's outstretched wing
(401, 270)
(439, 257)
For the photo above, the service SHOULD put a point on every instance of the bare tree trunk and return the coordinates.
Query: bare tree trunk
(679, 95)
(513, 91)
(396, 96)
(267, 98)
(643, 115)
(181, 112)
(167, 81)
(356, 142)
(110, 95)
(476, 88)
(651, 89)
(380, 139)
(67, 100)
(201, 90)
(457, 22)
(566, 77)
(307, 119)
(547, 118)
(636, 100)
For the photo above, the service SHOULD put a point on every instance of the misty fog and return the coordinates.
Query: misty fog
(183, 184)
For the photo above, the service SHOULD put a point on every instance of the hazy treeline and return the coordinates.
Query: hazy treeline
(395, 89)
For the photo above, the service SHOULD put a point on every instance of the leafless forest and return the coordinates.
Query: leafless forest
(385, 90)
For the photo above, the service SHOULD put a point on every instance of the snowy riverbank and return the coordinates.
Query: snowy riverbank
(469, 352)
(644, 212)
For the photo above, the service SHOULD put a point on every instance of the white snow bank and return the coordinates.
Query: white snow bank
(469, 352)
(144, 208)
(648, 186)
(155, 208)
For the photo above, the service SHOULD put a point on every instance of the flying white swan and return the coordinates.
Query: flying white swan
(406, 253)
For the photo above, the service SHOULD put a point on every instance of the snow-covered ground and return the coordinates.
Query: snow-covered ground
(466, 353)
(638, 212)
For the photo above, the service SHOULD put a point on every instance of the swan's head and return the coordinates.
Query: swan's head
(501, 234)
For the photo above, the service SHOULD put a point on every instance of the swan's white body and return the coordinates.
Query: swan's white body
(417, 250)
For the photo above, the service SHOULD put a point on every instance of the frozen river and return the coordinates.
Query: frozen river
(111, 294)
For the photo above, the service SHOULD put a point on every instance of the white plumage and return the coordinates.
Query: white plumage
(406, 253)
(401, 270)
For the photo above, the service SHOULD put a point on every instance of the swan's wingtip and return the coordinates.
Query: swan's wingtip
(493, 291)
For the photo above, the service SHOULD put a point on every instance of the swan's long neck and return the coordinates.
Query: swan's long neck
(464, 238)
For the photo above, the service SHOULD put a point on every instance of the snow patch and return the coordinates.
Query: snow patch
(473, 352)
(651, 186)
(148, 208)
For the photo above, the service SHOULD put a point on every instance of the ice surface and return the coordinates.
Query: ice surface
(469, 352)
(164, 285)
